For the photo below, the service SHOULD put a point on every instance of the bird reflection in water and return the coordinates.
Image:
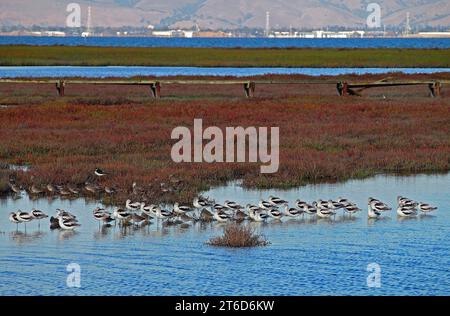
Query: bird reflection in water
(21, 237)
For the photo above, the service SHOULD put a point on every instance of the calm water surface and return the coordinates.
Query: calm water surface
(228, 42)
(129, 71)
(306, 257)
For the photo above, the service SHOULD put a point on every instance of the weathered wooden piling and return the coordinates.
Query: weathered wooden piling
(249, 89)
(60, 85)
(435, 89)
(155, 88)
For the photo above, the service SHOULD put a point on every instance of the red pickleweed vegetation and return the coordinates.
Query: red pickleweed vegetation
(322, 137)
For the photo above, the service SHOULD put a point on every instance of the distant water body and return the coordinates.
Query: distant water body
(229, 42)
(125, 71)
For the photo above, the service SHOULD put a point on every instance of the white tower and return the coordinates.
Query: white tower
(89, 21)
(267, 31)
(407, 25)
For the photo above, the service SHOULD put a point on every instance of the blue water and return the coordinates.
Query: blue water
(229, 42)
(306, 256)
(126, 71)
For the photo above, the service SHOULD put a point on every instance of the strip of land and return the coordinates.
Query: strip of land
(222, 57)
(122, 130)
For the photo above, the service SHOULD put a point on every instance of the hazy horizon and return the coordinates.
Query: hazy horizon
(220, 14)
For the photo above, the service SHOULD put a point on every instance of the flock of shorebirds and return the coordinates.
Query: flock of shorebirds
(65, 190)
(205, 209)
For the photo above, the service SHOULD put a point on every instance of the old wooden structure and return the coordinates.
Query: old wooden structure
(343, 87)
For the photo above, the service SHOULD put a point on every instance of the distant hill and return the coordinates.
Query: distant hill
(226, 14)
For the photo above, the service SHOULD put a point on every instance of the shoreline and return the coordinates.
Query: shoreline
(25, 55)
(323, 137)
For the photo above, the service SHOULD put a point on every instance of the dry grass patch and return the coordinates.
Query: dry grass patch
(237, 236)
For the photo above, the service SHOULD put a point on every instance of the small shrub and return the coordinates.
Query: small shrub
(238, 236)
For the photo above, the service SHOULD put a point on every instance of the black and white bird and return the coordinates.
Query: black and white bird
(322, 209)
(406, 211)
(180, 209)
(13, 219)
(310, 209)
(334, 205)
(221, 216)
(265, 205)
(291, 211)
(404, 201)
(102, 216)
(375, 208)
(24, 217)
(99, 172)
(276, 201)
(132, 206)
(344, 202)
(256, 214)
(201, 202)
(351, 208)
(122, 215)
(39, 215)
(426, 208)
(233, 205)
(300, 204)
(274, 213)
(68, 224)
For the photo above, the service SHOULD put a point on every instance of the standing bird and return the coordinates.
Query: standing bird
(37, 214)
(324, 212)
(13, 219)
(132, 206)
(122, 215)
(24, 217)
(201, 202)
(221, 216)
(180, 209)
(376, 207)
(68, 224)
(99, 172)
(351, 209)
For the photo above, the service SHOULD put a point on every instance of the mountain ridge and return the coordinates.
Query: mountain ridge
(231, 14)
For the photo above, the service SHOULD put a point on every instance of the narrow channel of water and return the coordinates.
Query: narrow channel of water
(129, 71)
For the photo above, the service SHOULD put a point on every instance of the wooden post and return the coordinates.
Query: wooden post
(60, 87)
(435, 89)
(342, 88)
(249, 88)
(156, 89)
